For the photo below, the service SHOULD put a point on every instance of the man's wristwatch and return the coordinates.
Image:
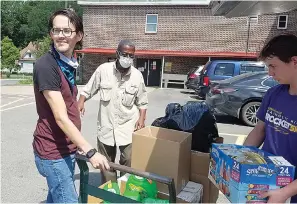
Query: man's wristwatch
(91, 153)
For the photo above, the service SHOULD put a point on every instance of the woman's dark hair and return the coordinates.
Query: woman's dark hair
(282, 46)
(73, 18)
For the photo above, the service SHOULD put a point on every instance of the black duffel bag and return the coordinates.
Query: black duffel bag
(193, 117)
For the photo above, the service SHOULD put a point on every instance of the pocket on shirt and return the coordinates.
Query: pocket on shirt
(129, 95)
(105, 91)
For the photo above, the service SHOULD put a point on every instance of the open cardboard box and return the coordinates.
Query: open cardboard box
(122, 185)
(168, 152)
(199, 174)
(164, 152)
(92, 199)
(192, 193)
(181, 198)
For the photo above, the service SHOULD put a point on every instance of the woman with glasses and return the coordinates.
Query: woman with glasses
(57, 135)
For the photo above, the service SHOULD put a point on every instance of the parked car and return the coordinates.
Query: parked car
(192, 77)
(240, 96)
(223, 69)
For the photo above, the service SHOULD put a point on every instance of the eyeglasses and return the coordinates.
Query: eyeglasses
(67, 32)
(126, 54)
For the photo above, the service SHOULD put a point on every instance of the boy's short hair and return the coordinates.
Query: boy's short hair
(282, 46)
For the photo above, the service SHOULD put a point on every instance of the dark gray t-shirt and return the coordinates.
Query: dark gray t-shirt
(50, 142)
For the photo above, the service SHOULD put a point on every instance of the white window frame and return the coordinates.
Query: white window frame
(253, 19)
(146, 23)
(283, 28)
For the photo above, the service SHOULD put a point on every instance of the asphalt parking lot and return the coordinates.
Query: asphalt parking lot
(20, 181)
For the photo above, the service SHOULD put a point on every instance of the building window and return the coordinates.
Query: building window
(151, 23)
(253, 19)
(282, 22)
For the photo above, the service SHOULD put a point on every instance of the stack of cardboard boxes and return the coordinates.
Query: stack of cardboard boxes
(168, 153)
(239, 172)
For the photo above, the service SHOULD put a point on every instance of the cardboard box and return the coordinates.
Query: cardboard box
(240, 172)
(192, 193)
(92, 199)
(122, 183)
(199, 174)
(164, 152)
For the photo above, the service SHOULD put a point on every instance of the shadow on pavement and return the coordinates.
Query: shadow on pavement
(197, 98)
(187, 91)
(226, 119)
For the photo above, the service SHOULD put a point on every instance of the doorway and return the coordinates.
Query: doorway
(151, 71)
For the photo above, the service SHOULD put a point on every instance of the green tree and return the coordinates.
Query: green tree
(9, 54)
(42, 46)
(25, 21)
(12, 18)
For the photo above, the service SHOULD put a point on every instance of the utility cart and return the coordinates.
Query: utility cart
(86, 189)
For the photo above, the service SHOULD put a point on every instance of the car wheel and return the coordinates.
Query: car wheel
(248, 113)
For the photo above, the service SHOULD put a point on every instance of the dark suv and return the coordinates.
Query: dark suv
(223, 69)
(193, 76)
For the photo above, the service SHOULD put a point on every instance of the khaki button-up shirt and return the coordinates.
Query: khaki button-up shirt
(121, 97)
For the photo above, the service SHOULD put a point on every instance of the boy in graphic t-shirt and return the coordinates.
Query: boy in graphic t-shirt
(277, 126)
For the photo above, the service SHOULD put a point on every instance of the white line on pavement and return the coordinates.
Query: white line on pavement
(240, 140)
(12, 97)
(12, 102)
(26, 104)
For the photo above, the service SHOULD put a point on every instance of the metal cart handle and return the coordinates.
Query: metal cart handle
(161, 179)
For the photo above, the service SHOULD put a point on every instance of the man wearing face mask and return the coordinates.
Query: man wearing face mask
(123, 104)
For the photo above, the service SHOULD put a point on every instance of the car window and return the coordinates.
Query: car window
(242, 78)
(250, 68)
(192, 71)
(205, 67)
(269, 82)
(224, 69)
(199, 69)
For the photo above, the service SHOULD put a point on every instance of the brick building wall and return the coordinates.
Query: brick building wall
(181, 65)
(185, 28)
(179, 28)
(89, 63)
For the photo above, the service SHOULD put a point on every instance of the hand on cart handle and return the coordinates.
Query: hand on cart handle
(98, 161)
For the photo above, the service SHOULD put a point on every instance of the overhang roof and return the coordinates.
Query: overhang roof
(142, 2)
(172, 53)
(231, 9)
